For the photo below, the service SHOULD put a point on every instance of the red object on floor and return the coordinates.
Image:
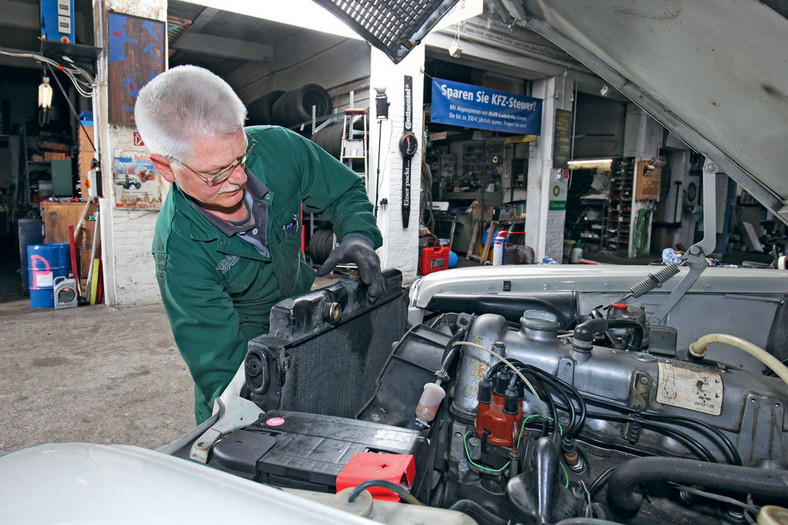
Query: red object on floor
(369, 465)
(433, 259)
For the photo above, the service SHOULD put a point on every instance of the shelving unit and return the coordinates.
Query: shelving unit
(592, 227)
(619, 221)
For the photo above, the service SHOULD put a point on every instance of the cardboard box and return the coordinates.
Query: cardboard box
(55, 155)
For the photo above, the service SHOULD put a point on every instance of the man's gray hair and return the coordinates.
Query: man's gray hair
(183, 105)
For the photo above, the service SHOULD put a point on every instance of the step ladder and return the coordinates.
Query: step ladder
(354, 142)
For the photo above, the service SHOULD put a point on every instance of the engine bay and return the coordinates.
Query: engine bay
(558, 415)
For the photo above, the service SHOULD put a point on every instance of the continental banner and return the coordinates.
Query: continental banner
(470, 106)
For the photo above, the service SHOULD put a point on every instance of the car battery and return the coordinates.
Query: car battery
(433, 259)
(308, 451)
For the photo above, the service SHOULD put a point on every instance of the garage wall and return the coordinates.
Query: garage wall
(400, 245)
(126, 236)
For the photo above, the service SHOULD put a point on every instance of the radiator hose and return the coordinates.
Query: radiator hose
(769, 484)
(477, 512)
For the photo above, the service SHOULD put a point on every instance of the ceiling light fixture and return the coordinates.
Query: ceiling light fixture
(590, 163)
(45, 94)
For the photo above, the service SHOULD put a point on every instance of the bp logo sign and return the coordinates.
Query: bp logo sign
(556, 190)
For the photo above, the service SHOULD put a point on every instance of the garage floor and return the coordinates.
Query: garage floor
(93, 374)
(96, 374)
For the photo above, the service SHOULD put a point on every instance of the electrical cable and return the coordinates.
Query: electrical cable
(400, 491)
(563, 389)
(691, 443)
(83, 86)
(688, 441)
(566, 474)
(560, 384)
(510, 365)
(522, 431)
(600, 480)
(562, 395)
(71, 107)
(377, 173)
(528, 418)
(468, 457)
(727, 445)
(716, 497)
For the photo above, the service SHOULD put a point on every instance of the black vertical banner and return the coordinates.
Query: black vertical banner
(562, 139)
(406, 159)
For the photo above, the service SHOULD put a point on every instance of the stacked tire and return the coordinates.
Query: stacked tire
(330, 138)
(287, 108)
(259, 111)
(295, 106)
(320, 244)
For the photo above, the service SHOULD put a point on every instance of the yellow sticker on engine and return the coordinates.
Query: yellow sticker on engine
(698, 390)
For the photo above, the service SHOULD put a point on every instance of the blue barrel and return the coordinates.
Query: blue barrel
(31, 231)
(45, 262)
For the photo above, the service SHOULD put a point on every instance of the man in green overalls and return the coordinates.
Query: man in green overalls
(227, 245)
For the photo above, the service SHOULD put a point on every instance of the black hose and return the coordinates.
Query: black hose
(636, 342)
(769, 484)
(477, 512)
(585, 331)
(450, 350)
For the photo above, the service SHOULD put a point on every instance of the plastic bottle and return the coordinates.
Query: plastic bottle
(429, 402)
(576, 254)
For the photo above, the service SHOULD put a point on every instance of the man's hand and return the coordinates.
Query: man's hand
(357, 249)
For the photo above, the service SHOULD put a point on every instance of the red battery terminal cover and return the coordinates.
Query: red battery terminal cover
(396, 468)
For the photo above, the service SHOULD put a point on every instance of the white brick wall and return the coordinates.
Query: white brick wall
(400, 245)
(126, 236)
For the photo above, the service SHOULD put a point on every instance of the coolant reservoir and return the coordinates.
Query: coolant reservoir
(430, 401)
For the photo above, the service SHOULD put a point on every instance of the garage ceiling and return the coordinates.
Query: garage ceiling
(218, 40)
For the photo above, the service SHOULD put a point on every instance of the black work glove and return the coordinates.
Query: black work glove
(357, 249)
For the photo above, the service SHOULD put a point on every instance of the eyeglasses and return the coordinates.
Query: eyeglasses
(222, 174)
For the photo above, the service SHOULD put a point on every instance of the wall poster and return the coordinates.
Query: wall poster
(136, 56)
(137, 185)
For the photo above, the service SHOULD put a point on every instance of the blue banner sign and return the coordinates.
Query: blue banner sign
(476, 107)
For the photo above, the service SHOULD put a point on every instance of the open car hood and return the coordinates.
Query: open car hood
(715, 73)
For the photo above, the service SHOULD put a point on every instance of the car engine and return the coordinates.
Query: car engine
(557, 415)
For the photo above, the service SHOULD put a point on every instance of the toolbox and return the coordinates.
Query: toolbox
(433, 259)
